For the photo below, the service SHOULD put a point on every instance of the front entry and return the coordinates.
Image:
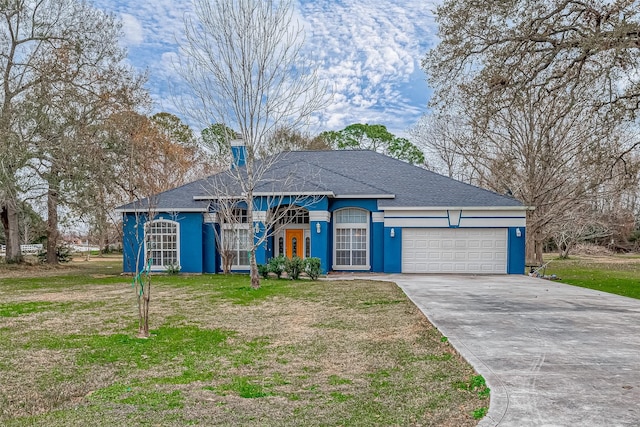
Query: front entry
(295, 242)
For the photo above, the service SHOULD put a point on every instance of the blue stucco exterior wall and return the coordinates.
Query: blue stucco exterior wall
(191, 240)
(209, 254)
(132, 237)
(198, 252)
(370, 205)
(319, 244)
(377, 247)
(392, 250)
(516, 252)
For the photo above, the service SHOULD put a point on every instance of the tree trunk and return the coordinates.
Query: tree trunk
(530, 241)
(52, 225)
(255, 276)
(143, 305)
(12, 234)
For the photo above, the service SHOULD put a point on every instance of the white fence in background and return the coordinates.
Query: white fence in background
(26, 249)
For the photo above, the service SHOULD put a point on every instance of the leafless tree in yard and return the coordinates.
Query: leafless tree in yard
(544, 151)
(491, 50)
(439, 137)
(63, 73)
(548, 90)
(243, 60)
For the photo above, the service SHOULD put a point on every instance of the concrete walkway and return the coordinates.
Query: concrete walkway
(552, 354)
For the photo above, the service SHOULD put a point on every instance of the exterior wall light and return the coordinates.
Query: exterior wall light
(318, 228)
(256, 227)
(393, 232)
(518, 232)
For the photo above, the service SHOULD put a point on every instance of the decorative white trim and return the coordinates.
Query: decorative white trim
(377, 216)
(462, 208)
(365, 196)
(292, 193)
(417, 222)
(237, 142)
(146, 250)
(209, 218)
(454, 218)
(159, 211)
(214, 197)
(319, 216)
(464, 222)
(349, 226)
(259, 216)
(492, 222)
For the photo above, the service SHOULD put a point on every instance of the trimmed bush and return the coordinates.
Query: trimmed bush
(312, 267)
(294, 267)
(277, 265)
(264, 270)
(172, 269)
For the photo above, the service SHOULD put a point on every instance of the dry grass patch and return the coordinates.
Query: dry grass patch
(293, 353)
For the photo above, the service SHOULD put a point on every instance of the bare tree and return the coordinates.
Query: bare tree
(548, 90)
(243, 60)
(292, 140)
(439, 137)
(62, 73)
(491, 50)
(545, 151)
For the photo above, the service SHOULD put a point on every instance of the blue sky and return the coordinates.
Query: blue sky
(369, 50)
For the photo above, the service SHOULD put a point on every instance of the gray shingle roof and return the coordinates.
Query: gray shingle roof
(346, 173)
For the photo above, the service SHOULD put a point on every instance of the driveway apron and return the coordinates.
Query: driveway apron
(552, 354)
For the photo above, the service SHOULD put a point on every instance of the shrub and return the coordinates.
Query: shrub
(64, 254)
(294, 267)
(263, 270)
(277, 265)
(172, 269)
(312, 267)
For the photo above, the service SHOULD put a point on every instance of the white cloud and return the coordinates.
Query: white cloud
(132, 28)
(369, 52)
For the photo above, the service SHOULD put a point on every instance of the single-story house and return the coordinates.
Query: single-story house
(358, 211)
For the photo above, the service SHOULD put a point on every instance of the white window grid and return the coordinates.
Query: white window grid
(351, 239)
(238, 241)
(162, 243)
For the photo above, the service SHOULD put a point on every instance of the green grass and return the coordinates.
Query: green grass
(220, 353)
(619, 275)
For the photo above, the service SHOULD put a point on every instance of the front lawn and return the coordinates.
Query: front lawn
(292, 353)
(614, 274)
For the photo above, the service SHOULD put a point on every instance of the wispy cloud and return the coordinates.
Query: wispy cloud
(369, 51)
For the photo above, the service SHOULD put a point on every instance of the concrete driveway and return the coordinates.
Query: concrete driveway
(552, 354)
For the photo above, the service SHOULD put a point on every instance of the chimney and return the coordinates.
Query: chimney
(239, 151)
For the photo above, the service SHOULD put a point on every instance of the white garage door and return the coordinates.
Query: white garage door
(454, 250)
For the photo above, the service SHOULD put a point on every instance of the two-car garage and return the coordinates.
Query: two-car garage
(454, 250)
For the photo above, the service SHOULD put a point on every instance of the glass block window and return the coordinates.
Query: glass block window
(351, 241)
(237, 241)
(162, 237)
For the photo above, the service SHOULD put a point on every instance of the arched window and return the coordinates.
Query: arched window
(162, 243)
(351, 239)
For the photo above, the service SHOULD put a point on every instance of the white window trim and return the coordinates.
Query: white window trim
(243, 226)
(350, 225)
(146, 252)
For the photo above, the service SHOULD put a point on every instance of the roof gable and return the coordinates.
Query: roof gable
(343, 174)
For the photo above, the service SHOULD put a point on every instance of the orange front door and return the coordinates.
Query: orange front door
(295, 241)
